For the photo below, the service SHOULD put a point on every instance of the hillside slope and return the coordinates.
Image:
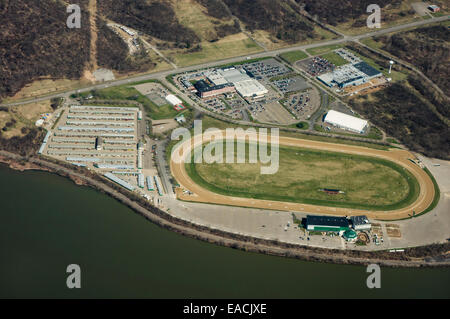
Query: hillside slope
(426, 48)
(36, 43)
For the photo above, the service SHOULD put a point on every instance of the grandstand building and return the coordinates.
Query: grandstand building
(360, 222)
(327, 223)
(346, 122)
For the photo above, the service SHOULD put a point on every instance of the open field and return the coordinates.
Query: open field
(46, 86)
(31, 112)
(270, 42)
(399, 157)
(334, 58)
(368, 183)
(17, 121)
(324, 49)
(294, 56)
(230, 46)
(128, 92)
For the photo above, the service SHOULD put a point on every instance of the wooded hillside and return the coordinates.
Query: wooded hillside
(276, 17)
(426, 48)
(35, 42)
(155, 18)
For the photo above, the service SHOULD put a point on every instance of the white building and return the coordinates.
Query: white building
(233, 75)
(360, 222)
(217, 79)
(250, 88)
(346, 122)
(244, 84)
(172, 99)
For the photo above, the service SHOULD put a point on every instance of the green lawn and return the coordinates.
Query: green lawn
(294, 56)
(300, 125)
(374, 133)
(128, 92)
(335, 58)
(368, 183)
(212, 51)
(324, 49)
(209, 122)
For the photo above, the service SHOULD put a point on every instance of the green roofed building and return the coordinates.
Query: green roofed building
(327, 223)
(349, 235)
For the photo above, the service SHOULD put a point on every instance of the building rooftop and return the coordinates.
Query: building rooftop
(202, 86)
(250, 88)
(172, 99)
(234, 75)
(350, 234)
(348, 121)
(216, 78)
(367, 69)
(327, 221)
(359, 220)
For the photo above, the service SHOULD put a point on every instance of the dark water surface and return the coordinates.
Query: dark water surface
(47, 223)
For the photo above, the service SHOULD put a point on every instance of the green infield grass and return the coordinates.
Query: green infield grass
(366, 182)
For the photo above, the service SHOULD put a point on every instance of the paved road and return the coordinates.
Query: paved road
(162, 168)
(322, 109)
(163, 74)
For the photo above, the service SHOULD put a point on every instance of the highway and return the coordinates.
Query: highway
(163, 74)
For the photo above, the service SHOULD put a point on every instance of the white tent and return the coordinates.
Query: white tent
(172, 99)
(345, 121)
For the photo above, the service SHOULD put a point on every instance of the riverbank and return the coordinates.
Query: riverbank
(426, 256)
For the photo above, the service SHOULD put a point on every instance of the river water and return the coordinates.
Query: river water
(47, 223)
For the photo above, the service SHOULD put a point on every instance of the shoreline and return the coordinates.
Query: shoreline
(412, 257)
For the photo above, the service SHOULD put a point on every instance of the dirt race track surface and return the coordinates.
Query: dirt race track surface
(400, 157)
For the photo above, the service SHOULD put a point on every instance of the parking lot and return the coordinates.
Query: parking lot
(266, 69)
(154, 92)
(292, 84)
(303, 104)
(272, 112)
(316, 66)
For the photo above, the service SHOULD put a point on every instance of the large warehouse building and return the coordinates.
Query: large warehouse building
(346, 122)
(223, 79)
(350, 74)
(250, 88)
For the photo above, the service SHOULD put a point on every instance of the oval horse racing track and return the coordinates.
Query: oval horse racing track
(400, 157)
